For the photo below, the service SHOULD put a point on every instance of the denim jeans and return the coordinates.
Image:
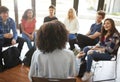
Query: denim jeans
(28, 40)
(94, 56)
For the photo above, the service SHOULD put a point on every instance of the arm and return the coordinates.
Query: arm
(95, 35)
(76, 25)
(73, 66)
(88, 33)
(22, 28)
(113, 44)
(32, 71)
(14, 30)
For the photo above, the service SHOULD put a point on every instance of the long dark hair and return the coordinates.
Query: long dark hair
(112, 31)
(51, 35)
(25, 17)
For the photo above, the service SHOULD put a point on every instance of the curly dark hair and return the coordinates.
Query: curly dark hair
(25, 17)
(113, 29)
(3, 9)
(52, 35)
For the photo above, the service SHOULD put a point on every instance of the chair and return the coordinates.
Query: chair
(105, 70)
(40, 79)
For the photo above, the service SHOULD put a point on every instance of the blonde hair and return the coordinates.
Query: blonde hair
(73, 13)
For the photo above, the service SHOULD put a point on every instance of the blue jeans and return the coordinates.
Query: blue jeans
(28, 40)
(94, 56)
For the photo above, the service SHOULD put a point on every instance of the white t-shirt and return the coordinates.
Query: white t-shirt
(72, 26)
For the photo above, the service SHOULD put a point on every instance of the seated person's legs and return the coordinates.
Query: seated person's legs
(72, 40)
(84, 41)
(83, 53)
(27, 39)
(72, 43)
(20, 42)
(93, 55)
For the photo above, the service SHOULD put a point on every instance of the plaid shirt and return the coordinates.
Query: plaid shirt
(6, 28)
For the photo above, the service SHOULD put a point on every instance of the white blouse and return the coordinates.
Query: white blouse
(72, 26)
(58, 64)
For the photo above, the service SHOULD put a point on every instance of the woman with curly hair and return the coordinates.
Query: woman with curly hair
(51, 59)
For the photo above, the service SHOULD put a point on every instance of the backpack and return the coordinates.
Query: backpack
(11, 57)
(28, 57)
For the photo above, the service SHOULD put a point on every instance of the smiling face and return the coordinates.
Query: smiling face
(99, 18)
(4, 15)
(29, 14)
(51, 11)
(107, 25)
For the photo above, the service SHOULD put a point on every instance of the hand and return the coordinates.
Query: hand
(95, 48)
(8, 35)
(13, 41)
(31, 37)
(80, 54)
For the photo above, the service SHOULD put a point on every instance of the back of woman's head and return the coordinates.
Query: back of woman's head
(51, 35)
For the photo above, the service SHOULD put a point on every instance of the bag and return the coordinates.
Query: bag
(104, 70)
(28, 57)
(11, 57)
(82, 69)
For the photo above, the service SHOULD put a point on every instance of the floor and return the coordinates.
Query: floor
(18, 74)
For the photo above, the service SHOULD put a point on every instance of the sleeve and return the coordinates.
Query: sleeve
(99, 28)
(73, 67)
(32, 71)
(77, 25)
(45, 20)
(1, 36)
(13, 26)
(1, 31)
(112, 44)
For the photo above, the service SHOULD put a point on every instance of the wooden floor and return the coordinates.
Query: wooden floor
(17, 74)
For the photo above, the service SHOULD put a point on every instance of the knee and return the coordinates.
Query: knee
(86, 49)
(90, 52)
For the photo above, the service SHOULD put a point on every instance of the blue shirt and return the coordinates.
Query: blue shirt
(95, 28)
(7, 27)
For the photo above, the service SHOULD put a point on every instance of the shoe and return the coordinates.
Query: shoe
(87, 76)
(1, 68)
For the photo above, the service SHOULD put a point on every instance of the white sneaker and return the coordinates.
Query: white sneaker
(86, 76)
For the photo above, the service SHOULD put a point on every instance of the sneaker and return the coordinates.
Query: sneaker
(87, 76)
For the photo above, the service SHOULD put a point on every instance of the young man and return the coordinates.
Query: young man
(92, 37)
(51, 14)
(6, 38)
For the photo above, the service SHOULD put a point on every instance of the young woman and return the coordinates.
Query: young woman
(28, 26)
(51, 59)
(105, 49)
(71, 23)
